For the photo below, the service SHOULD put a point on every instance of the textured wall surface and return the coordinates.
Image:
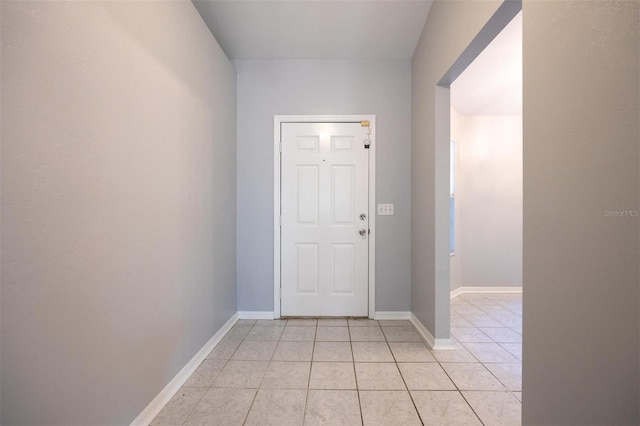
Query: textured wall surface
(118, 204)
(488, 197)
(303, 87)
(581, 224)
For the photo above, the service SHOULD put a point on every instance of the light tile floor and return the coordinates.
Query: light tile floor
(353, 372)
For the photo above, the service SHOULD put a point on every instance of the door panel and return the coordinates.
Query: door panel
(343, 268)
(307, 195)
(307, 268)
(343, 195)
(324, 184)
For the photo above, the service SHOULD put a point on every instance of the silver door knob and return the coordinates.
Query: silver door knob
(363, 232)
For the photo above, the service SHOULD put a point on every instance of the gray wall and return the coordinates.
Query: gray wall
(299, 87)
(450, 28)
(581, 272)
(488, 196)
(118, 204)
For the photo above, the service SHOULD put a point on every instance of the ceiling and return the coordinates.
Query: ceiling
(315, 29)
(492, 84)
(364, 29)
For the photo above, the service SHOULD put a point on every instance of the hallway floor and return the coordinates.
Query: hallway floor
(353, 372)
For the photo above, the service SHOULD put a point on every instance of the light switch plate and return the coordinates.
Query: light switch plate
(385, 209)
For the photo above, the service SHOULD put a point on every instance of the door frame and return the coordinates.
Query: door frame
(278, 120)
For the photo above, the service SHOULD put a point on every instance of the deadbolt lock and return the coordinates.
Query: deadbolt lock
(363, 216)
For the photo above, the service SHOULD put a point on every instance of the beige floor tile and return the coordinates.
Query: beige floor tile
(466, 334)
(366, 334)
(287, 375)
(490, 353)
(475, 298)
(254, 350)
(259, 391)
(224, 349)
(222, 407)
(332, 351)
(502, 335)
(512, 321)
(238, 332)
(467, 309)
(298, 333)
(306, 322)
(401, 334)
(509, 374)
(265, 332)
(497, 310)
(387, 408)
(371, 352)
(293, 351)
(332, 375)
(515, 307)
(332, 322)
(514, 349)
(482, 320)
(179, 407)
(395, 323)
(516, 328)
(425, 376)
(379, 376)
(459, 354)
(411, 352)
(241, 374)
(459, 300)
(495, 408)
(462, 300)
(206, 373)
(363, 322)
(277, 322)
(277, 407)
(472, 376)
(332, 408)
(332, 334)
(458, 321)
(489, 307)
(444, 408)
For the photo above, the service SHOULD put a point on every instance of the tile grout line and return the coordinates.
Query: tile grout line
(458, 389)
(255, 396)
(455, 385)
(483, 310)
(482, 363)
(182, 387)
(509, 391)
(415, 407)
(306, 398)
(226, 361)
(491, 372)
(355, 375)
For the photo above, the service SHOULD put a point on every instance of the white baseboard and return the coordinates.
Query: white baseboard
(165, 395)
(466, 290)
(392, 315)
(255, 315)
(435, 344)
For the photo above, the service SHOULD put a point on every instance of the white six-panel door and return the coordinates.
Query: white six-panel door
(325, 217)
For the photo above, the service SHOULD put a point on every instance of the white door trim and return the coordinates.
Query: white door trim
(277, 121)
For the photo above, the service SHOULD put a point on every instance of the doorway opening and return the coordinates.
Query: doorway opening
(501, 19)
(486, 123)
